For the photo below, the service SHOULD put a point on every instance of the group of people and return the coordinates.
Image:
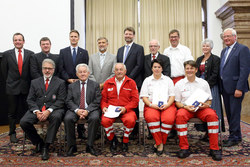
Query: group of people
(74, 86)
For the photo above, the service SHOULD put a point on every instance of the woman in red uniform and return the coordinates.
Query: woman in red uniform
(157, 93)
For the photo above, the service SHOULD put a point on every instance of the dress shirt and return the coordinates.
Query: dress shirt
(72, 49)
(163, 86)
(118, 85)
(178, 56)
(102, 58)
(17, 53)
(184, 88)
(44, 78)
(124, 52)
(156, 55)
(85, 90)
(228, 52)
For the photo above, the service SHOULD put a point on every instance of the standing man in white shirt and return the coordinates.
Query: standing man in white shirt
(177, 54)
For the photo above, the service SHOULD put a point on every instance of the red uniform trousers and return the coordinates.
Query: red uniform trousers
(206, 115)
(160, 122)
(128, 119)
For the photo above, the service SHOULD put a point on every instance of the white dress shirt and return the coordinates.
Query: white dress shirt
(125, 48)
(85, 91)
(17, 53)
(178, 56)
(118, 85)
(184, 88)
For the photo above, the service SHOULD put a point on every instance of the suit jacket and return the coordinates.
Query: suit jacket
(52, 98)
(93, 96)
(36, 64)
(99, 74)
(134, 62)
(16, 83)
(236, 69)
(212, 69)
(66, 65)
(166, 65)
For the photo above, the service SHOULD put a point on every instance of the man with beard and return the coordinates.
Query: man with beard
(46, 102)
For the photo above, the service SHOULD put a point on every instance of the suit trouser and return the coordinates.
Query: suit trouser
(160, 122)
(70, 120)
(206, 115)
(29, 119)
(233, 111)
(17, 106)
(128, 119)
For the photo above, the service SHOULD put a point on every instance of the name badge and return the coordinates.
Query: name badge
(110, 89)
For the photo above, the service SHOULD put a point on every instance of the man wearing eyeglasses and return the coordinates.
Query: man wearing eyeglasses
(46, 102)
(234, 72)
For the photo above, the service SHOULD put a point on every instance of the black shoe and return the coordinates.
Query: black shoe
(172, 134)
(154, 149)
(91, 150)
(230, 143)
(124, 147)
(71, 150)
(13, 138)
(45, 153)
(159, 152)
(183, 153)
(216, 155)
(113, 145)
(39, 147)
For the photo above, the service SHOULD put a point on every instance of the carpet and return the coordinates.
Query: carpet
(12, 155)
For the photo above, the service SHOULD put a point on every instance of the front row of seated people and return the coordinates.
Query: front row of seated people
(86, 101)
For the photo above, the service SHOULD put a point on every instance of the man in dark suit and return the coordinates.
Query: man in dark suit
(132, 55)
(46, 102)
(37, 59)
(234, 72)
(83, 101)
(16, 72)
(154, 47)
(69, 58)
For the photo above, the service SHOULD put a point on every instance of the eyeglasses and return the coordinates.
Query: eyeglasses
(172, 37)
(227, 36)
(47, 68)
(151, 46)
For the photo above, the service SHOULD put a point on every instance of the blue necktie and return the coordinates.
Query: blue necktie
(126, 53)
(74, 55)
(223, 61)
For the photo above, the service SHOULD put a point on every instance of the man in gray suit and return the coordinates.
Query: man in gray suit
(46, 102)
(83, 101)
(101, 64)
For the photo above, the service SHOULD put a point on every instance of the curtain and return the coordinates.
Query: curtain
(108, 18)
(158, 17)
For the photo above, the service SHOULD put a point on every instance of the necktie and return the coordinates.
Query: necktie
(74, 55)
(102, 58)
(153, 57)
(82, 98)
(46, 87)
(223, 60)
(20, 61)
(126, 53)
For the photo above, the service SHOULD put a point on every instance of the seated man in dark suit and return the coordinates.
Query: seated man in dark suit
(46, 102)
(37, 59)
(83, 101)
(154, 47)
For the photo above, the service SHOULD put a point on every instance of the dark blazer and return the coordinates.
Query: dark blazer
(236, 69)
(166, 65)
(16, 84)
(212, 69)
(36, 64)
(93, 96)
(52, 98)
(134, 62)
(66, 65)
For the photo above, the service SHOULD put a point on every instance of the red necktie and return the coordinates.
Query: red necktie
(46, 87)
(20, 61)
(82, 99)
(153, 57)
